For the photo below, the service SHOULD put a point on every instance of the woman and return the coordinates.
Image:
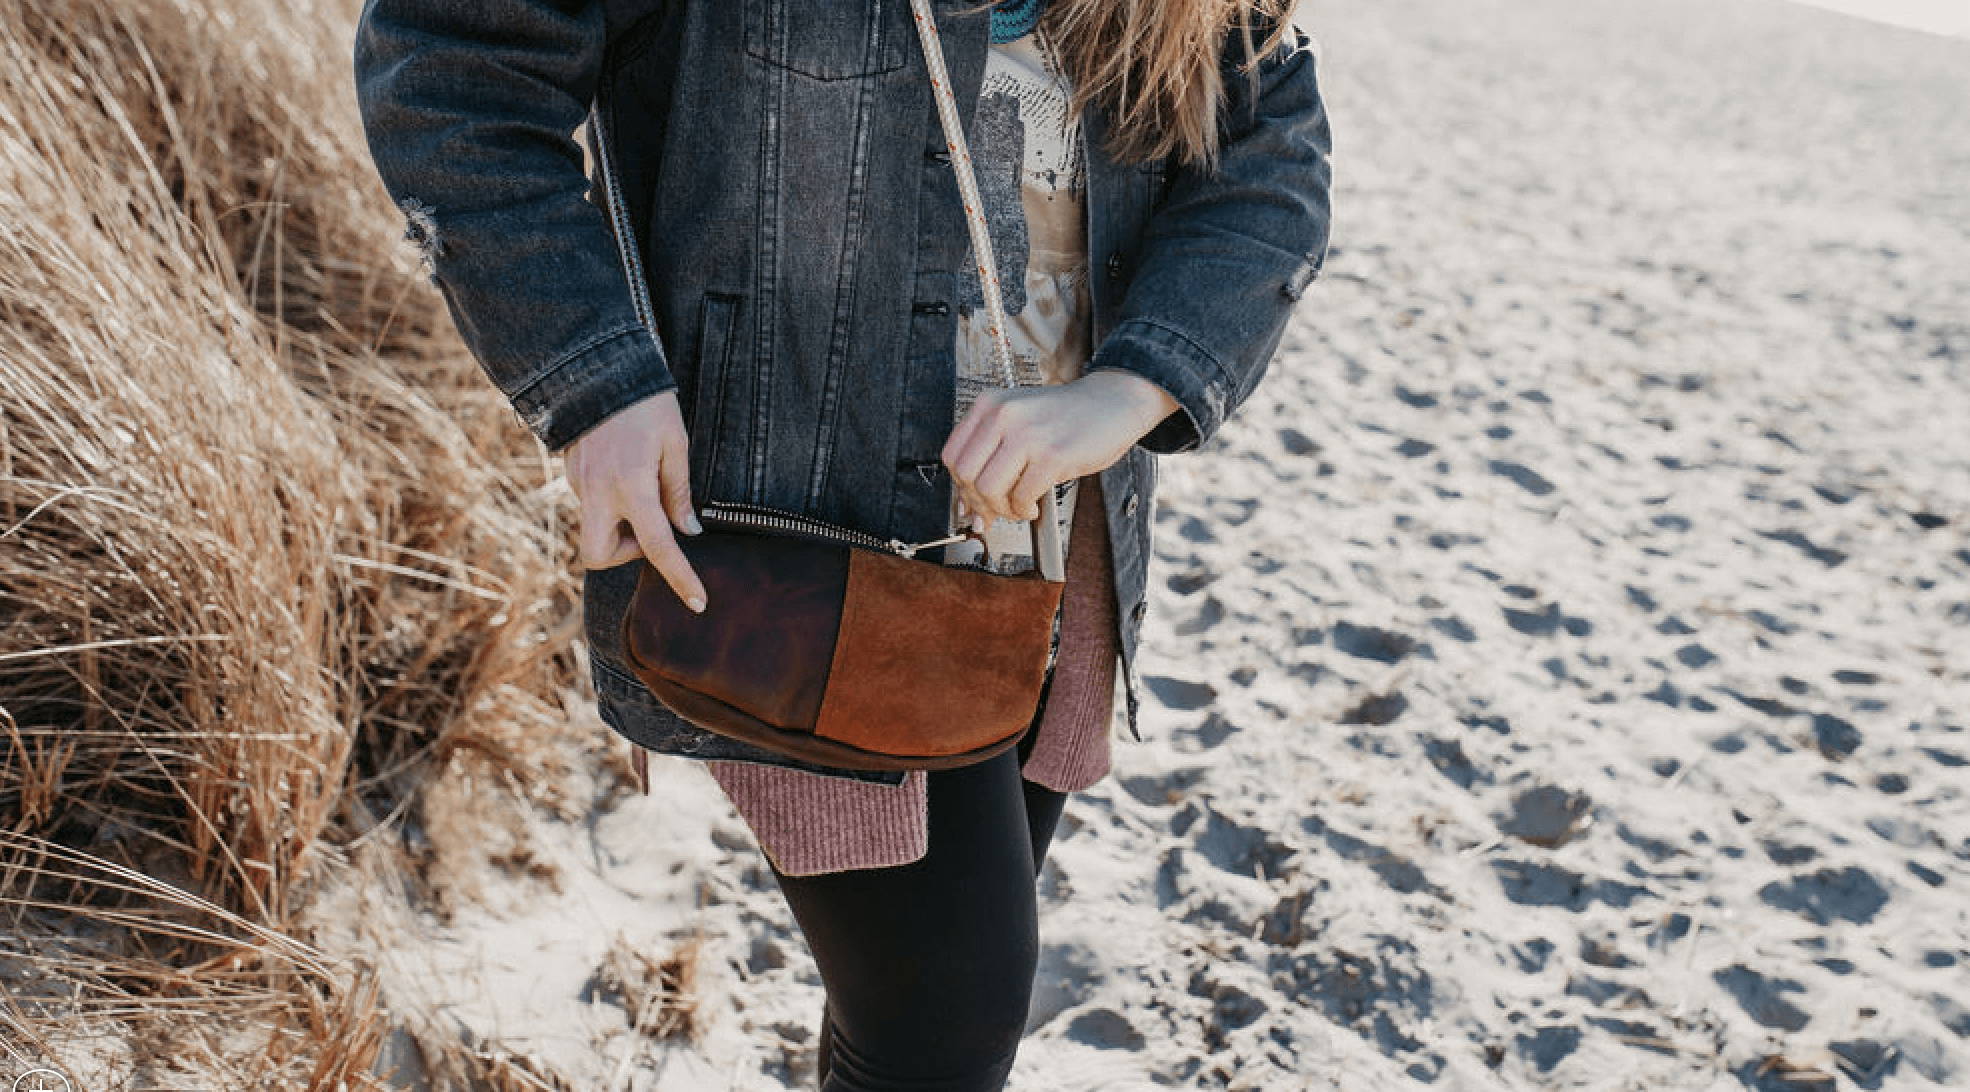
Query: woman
(771, 300)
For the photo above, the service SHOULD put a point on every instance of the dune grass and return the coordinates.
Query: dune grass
(270, 547)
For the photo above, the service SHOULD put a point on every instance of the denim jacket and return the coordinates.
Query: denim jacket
(771, 227)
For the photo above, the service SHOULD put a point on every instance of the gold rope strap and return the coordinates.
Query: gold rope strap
(974, 208)
(1046, 530)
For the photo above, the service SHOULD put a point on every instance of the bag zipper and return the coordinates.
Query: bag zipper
(774, 519)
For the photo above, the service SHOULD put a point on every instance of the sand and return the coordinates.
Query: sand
(1556, 674)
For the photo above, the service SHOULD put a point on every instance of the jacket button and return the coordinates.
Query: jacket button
(938, 155)
(1136, 612)
(1115, 266)
(931, 307)
(1128, 506)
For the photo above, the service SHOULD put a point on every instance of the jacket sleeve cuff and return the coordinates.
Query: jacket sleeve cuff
(589, 384)
(1171, 360)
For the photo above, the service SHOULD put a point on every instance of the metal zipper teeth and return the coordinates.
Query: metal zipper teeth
(780, 521)
(775, 520)
(626, 249)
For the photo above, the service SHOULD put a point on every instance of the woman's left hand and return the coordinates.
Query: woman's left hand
(1016, 443)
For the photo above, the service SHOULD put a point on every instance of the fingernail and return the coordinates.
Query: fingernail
(696, 603)
(978, 524)
(691, 523)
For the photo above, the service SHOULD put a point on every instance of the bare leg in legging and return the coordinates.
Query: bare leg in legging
(929, 965)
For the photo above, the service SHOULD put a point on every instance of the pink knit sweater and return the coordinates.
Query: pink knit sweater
(809, 823)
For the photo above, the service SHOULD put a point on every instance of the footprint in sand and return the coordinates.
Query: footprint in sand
(1762, 998)
(1529, 883)
(1208, 614)
(1522, 476)
(1547, 621)
(1230, 845)
(1448, 756)
(1163, 790)
(1828, 895)
(1547, 816)
(1213, 730)
(1068, 973)
(1105, 1029)
(1373, 642)
(1376, 709)
(1180, 694)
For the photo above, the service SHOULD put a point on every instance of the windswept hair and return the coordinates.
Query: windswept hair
(1158, 66)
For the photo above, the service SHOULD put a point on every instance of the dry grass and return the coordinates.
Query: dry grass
(660, 995)
(270, 548)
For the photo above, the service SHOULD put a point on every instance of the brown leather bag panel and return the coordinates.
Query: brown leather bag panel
(906, 680)
(767, 636)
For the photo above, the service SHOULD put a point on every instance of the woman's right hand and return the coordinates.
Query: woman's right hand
(631, 474)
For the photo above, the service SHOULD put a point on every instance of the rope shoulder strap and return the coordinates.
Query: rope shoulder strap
(1046, 529)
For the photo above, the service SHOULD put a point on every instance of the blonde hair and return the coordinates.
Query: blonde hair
(1155, 65)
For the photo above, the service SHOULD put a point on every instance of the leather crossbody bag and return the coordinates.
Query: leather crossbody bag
(827, 644)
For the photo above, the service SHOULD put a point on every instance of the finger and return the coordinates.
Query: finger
(571, 469)
(975, 417)
(1033, 482)
(970, 512)
(971, 458)
(959, 437)
(674, 478)
(625, 548)
(617, 546)
(598, 540)
(995, 480)
(660, 546)
(981, 425)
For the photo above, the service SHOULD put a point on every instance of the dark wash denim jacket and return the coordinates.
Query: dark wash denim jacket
(774, 230)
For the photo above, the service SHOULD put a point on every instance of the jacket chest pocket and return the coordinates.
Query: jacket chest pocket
(830, 39)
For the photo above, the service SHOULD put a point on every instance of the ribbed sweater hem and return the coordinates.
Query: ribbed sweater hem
(1072, 751)
(808, 823)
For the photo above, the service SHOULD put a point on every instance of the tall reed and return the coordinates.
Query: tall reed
(270, 547)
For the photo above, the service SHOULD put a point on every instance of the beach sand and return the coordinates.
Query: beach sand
(1555, 675)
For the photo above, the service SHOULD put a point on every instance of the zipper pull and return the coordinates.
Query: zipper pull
(908, 549)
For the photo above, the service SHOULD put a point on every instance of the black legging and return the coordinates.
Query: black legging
(929, 965)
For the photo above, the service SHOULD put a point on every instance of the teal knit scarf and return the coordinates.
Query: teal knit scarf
(1013, 19)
